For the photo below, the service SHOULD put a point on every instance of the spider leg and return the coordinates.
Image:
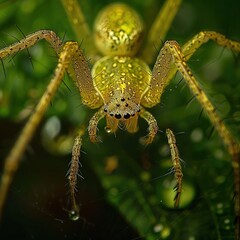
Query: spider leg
(78, 69)
(13, 159)
(176, 165)
(152, 129)
(190, 47)
(80, 27)
(73, 174)
(196, 42)
(92, 128)
(31, 40)
(188, 50)
(159, 29)
(172, 53)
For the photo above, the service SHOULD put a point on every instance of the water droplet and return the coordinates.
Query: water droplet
(157, 228)
(164, 150)
(74, 215)
(219, 208)
(163, 231)
(219, 154)
(227, 224)
(220, 179)
(191, 238)
(197, 135)
(227, 221)
(145, 176)
(52, 127)
(108, 130)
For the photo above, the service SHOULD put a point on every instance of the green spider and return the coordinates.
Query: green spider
(120, 85)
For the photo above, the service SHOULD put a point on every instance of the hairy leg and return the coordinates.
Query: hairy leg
(176, 165)
(172, 54)
(80, 27)
(159, 29)
(164, 68)
(69, 50)
(92, 128)
(74, 173)
(152, 126)
(31, 40)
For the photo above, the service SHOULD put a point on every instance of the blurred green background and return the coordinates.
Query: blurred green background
(135, 200)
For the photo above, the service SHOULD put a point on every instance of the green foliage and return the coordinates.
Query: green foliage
(135, 199)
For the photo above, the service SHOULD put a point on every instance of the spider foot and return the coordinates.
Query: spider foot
(177, 197)
(147, 139)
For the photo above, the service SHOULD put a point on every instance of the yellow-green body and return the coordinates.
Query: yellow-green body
(120, 83)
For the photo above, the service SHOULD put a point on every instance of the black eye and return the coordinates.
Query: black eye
(118, 116)
(126, 116)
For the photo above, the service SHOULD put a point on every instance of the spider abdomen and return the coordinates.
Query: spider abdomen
(118, 30)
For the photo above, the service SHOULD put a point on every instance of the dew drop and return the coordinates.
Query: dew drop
(74, 215)
(164, 231)
(227, 224)
(219, 208)
(108, 130)
(191, 238)
(157, 228)
(226, 221)
(197, 135)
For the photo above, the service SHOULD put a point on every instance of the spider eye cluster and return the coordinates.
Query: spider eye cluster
(125, 116)
(118, 30)
(120, 116)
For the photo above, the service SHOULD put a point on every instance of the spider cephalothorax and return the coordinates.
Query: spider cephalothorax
(121, 82)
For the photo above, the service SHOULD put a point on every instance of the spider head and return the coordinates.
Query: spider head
(122, 108)
(122, 112)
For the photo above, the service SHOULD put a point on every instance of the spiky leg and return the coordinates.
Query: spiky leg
(31, 40)
(80, 27)
(92, 128)
(171, 55)
(73, 174)
(176, 165)
(159, 29)
(12, 161)
(152, 126)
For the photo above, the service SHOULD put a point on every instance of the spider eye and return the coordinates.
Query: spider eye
(118, 116)
(127, 116)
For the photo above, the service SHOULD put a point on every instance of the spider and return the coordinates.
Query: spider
(119, 85)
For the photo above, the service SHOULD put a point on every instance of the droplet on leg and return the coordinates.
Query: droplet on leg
(74, 214)
(108, 129)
